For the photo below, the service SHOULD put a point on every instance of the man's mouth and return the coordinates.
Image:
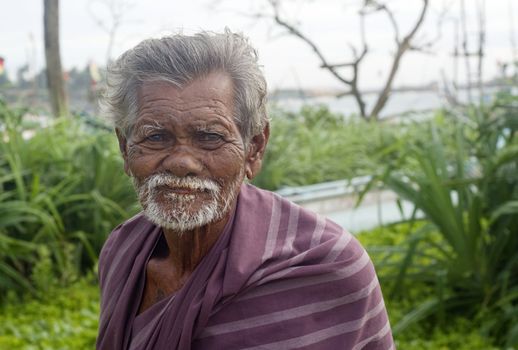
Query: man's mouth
(183, 190)
(174, 187)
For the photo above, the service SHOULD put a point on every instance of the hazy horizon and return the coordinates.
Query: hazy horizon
(288, 62)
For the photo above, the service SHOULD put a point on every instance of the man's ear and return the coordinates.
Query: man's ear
(256, 150)
(123, 146)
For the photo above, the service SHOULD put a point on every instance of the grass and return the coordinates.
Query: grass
(64, 318)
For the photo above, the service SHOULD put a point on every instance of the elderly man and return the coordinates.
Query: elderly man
(212, 262)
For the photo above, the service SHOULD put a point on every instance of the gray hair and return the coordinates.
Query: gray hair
(180, 59)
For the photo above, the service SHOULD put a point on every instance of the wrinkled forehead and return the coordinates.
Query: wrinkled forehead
(213, 85)
(211, 95)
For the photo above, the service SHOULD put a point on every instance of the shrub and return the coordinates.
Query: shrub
(315, 145)
(464, 179)
(387, 246)
(62, 191)
(63, 318)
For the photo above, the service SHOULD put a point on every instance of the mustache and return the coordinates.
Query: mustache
(190, 182)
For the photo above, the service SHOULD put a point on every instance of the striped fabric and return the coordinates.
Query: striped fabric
(279, 277)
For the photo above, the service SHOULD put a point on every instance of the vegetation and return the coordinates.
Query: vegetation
(315, 145)
(62, 191)
(450, 278)
(462, 174)
(64, 318)
(460, 332)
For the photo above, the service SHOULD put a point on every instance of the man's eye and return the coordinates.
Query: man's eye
(155, 137)
(209, 137)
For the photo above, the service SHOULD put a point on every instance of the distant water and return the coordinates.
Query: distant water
(399, 102)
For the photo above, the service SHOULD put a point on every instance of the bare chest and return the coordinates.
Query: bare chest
(161, 282)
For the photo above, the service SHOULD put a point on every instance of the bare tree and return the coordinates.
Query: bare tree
(117, 10)
(54, 72)
(351, 78)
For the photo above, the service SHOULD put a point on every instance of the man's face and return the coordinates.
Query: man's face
(185, 152)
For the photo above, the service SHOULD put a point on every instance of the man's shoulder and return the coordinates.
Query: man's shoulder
(123, 232)
(322, 282)
(283, 235)
(308, 252)
(261, 202)
(307, 220)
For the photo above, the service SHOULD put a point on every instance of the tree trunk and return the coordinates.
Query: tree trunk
(55, 83)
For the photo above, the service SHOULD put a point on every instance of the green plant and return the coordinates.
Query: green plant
(62, 318)
(464, 179)
(315, 145)
(388, 246)
(62, 188)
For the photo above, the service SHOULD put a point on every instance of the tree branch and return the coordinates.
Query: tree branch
(401, 49)
(403, 45)
(353, 83)
(117, 10)
(377, 7)
(294, 31)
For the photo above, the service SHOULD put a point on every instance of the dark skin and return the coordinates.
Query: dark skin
(188, 132)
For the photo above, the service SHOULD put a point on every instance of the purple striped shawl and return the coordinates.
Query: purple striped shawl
(279, 277)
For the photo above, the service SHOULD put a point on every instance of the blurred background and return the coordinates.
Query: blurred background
(397, 119)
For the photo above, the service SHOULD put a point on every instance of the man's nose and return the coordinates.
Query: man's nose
(182, 161)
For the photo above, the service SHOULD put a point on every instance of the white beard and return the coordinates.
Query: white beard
(175, 211)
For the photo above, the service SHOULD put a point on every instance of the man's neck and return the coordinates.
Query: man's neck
(186, 249)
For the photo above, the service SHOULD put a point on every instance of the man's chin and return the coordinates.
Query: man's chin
(182, 212)
(181, 220)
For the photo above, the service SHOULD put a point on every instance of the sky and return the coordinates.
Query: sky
(287, 61)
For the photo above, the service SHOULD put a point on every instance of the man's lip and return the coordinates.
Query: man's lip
(183, 190)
